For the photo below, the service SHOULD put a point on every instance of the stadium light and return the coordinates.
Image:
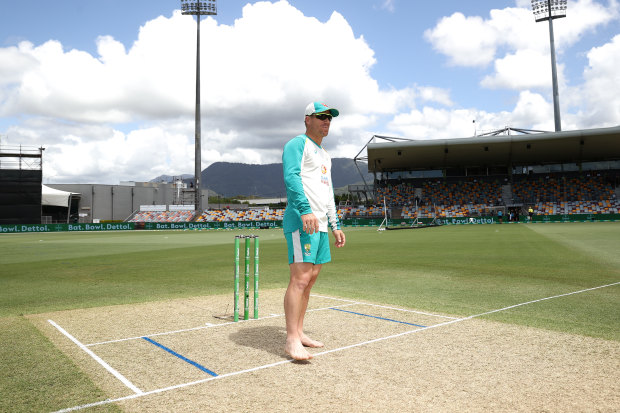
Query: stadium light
(198, 8)
(550, 10)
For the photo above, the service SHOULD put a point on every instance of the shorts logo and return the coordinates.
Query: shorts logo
(307, 250)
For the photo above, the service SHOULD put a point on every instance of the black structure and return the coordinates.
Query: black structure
(20, 185)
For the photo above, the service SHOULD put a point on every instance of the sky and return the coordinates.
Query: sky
(108, 88)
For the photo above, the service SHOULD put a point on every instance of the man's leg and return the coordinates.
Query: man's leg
(303, 276)
(305, 340)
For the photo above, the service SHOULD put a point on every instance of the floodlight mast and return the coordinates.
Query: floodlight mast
(198, 8)
(549, 10)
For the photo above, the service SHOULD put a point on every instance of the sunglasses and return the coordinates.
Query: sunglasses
(323, 116)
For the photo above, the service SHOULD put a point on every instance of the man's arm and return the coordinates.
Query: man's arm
(292, 158)
(340, 238)
(291, 163)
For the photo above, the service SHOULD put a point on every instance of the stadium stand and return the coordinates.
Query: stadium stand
(344, 211)
(550, 188)
(548, 194)
(163, 216)
(226, 215)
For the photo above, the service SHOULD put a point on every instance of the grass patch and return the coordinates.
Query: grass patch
(37, 377)
(118, 268)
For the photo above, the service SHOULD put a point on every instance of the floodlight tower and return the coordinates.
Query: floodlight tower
(198, 8)
(549, 10)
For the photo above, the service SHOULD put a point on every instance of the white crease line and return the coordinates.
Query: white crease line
(165, 333)
(332, 306)
(179, 386)
(383, 306)
(334, 298)
(410, 311)
(109, 368)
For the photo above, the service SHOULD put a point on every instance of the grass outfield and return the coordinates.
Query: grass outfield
(460, 270)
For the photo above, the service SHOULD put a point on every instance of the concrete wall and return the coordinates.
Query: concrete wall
(119, 202)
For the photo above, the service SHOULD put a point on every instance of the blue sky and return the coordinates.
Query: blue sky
(107, 87)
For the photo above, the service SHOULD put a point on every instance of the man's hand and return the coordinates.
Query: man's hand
(340, 239)
(310, 222)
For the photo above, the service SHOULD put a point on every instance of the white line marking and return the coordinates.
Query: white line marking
(334, 298)
(413, 311)
(179, 386)
(109, 368)
(330, 307)
(544, 299)
(383, 306)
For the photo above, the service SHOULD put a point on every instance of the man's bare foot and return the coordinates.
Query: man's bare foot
(295, 349)
(308, 342)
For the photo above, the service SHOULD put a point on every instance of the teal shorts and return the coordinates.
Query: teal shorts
(312, 248)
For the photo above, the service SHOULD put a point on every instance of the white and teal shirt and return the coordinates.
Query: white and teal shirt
(307, 176)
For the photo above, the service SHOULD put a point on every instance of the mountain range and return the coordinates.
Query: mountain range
(266, 181)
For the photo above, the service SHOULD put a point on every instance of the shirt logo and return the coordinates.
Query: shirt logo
(323, 169)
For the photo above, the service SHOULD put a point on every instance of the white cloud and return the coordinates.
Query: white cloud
(598, 99)
(466, 41)
(432, 123)
(434, 94)
(522, 70)
(532, 109)
(515, 44)
(584, 16)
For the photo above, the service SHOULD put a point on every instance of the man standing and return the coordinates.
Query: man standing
(310, 211)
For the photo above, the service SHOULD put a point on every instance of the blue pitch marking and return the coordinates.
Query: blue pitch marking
(174, 353)
(380, 318)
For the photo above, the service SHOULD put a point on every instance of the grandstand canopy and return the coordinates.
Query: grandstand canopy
(591, 145)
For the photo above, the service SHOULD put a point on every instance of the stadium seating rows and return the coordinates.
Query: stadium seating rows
(548, 195)
(163, 216)
(576, 207)
(554, 189)
(217, 215)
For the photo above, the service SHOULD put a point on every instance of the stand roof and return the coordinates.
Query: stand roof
(589, 145)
